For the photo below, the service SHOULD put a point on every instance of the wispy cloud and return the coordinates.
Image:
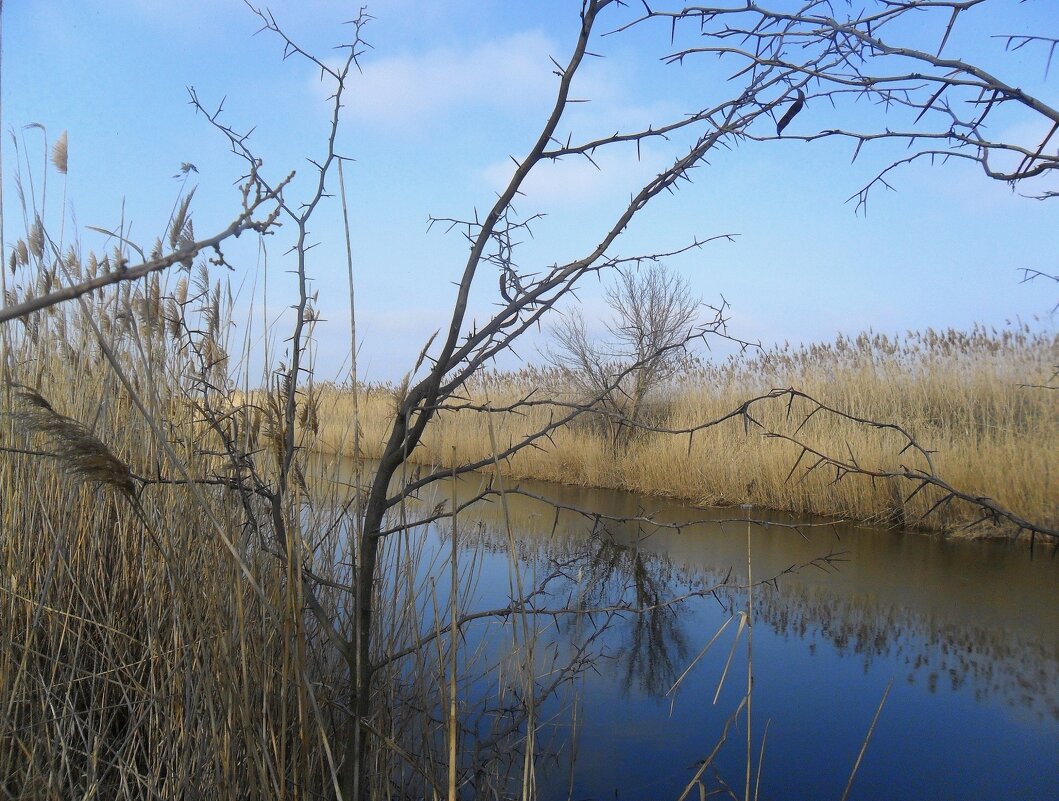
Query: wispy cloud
(506, 75)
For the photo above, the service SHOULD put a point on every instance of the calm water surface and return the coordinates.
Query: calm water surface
(967, 632)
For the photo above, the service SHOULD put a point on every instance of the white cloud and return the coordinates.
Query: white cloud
(508, 75)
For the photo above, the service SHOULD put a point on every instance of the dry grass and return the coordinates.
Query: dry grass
(155, 641)
(133, 666)
(137, 659)
(964, 395)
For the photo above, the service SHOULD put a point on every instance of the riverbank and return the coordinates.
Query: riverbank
(982, 402)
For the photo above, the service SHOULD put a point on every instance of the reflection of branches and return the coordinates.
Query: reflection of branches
(654, 642)
(770, 79)
(996, 663)
(786, 63)
(601, 521)
(657, 642)
(565, 570)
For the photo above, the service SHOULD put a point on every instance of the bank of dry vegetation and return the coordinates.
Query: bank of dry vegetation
(136, 660)
(983, 401)
(154, 634)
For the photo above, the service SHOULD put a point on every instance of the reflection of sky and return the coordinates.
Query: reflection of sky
(974, 710)
(980, 739)
(930, 649)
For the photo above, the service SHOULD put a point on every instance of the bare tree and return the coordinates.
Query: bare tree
(653, 313)
(833, 53)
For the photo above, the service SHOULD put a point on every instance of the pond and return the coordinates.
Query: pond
(964, 634)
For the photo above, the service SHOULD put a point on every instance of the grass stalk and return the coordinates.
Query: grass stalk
(749, 660)
(454, 638)
(867, 739)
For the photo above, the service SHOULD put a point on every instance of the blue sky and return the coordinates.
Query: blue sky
(448, 92)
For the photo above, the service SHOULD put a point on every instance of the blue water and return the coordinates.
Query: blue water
(965, 634)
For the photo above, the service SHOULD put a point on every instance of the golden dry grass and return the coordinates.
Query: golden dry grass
(967, 396)
(135, 659)
(154, 642)
(139, 657)
(154, 634)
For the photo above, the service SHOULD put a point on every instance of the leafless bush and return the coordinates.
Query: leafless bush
(654, 316)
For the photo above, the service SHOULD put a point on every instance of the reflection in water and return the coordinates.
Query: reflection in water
(975, 615)
(969, 630)
(654, 644)
(993, 664)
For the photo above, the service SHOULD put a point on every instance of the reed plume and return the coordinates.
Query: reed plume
(81, 454)
(60, 153)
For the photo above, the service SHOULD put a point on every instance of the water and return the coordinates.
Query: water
(965, 633)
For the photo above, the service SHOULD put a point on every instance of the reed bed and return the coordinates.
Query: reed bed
(136, 659)
(155, 638)
(151, 646)
(154, 634)
(140, 658)
(177, 606)
(984, 401)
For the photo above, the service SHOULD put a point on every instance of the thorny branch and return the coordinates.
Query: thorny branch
(827, 60)
(526, 605)
(184, 256)
(832, 64)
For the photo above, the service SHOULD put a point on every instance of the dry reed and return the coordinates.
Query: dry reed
(112, 684)
(155, 641)
(978, 399)
(115, 686)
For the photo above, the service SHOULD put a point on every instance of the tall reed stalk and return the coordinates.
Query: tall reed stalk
(157, 637)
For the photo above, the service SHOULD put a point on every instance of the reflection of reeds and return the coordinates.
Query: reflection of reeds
(116, 686)
(962, 394)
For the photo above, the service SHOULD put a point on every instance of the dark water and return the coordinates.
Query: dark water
(966, 632)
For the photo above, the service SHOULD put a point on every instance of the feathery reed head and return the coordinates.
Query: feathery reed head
(80, 452)
(59, 153)
(36, 238)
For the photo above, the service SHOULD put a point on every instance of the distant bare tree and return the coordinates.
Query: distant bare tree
(653, 314)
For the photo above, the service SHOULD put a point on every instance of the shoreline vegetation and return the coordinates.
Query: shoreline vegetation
(984, 402)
